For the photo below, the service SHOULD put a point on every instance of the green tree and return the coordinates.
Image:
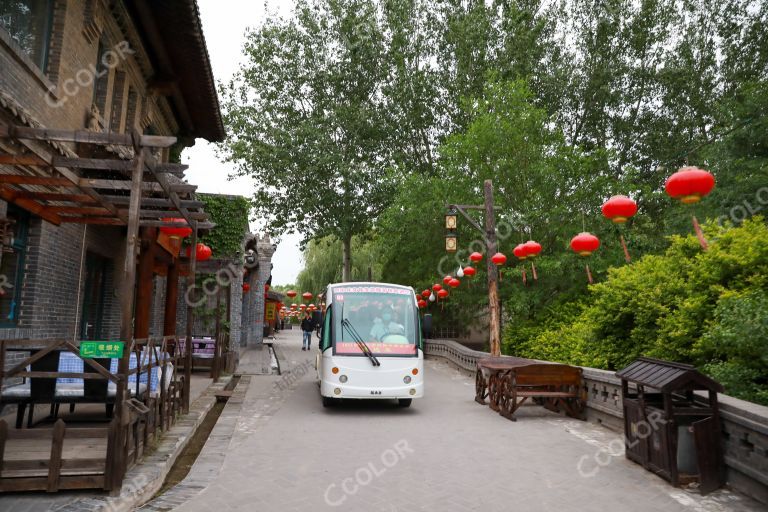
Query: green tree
(306, 118)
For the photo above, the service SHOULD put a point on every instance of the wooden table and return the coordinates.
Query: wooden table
(509, 381)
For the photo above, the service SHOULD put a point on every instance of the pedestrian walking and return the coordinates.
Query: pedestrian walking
(307, 326)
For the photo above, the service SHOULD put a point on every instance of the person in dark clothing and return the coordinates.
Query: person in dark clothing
(307, 326)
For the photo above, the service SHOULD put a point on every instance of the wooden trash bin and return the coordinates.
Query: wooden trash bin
(667, 429)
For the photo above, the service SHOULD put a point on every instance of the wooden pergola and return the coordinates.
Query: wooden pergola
(112, 179)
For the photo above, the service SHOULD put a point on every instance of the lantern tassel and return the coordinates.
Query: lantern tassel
(533, 269)
(525, 277)
(589, 275)
(700, 234)
(627, 257)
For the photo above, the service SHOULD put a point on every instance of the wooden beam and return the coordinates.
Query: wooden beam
(79, 210)
(23, 179)
(106, 221)
(84, 136)
(73, 178)
(154, 201)
(110, 164)
(12, 196)
(157, 214)
(55, 196)
(22, 160)
(126, 185)
(172, 193)
(159, 223)
(106, 164)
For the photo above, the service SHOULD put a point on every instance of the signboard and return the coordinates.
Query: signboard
(271, 307)
(111, 349)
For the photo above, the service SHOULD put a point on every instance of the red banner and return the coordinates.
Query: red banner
(383, 349)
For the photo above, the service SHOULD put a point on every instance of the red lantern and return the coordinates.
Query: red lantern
(266, 287)
(422, 303)
(291, 293)
(442, 293)
(453, 283)
(306, 295)
(425, 293)
(246, 287)
(294, 306)
(202, 252)
(619, 209)
(176, 232)
(469, 271)
(585, 244)
(437, 287)
(532, 249)
(476, 257)
(447, 279)
(520, 252)
(689, 184)
(498, 259)
(302, 307)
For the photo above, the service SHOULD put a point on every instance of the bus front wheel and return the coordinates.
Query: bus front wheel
(404, 402)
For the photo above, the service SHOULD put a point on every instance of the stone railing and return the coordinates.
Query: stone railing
(744, 424)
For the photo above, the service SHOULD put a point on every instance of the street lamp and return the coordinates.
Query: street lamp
(489, 237)
(451, 243)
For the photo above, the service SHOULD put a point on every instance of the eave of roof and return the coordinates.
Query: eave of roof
(175, 40)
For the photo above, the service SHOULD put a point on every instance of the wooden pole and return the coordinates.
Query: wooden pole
(126, 315)
(215, 366)
(493, 277)
(190, 319)
(171, 299)
(144, 288)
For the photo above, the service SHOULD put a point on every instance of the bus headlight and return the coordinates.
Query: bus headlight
(413, 391)
(343, 379)
(337, 391)
(407, 379)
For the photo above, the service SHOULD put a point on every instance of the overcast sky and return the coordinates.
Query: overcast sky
(224, 33)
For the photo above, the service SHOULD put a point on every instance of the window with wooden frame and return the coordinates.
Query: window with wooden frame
(29, 25)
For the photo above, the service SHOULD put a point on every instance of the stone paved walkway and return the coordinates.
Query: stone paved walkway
(446, 453)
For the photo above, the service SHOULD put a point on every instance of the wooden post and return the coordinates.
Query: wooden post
(216, 364)
(126, 315)
(190, 319)
(171, 299)
(493, 275)
(144, 280)
(54, 463)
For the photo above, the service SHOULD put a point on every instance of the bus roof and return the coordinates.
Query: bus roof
(367, 283)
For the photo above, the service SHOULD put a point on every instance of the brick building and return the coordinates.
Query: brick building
(105, 66)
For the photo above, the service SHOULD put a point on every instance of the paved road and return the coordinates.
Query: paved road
(446, 453)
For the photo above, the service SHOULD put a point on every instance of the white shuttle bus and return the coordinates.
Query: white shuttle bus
(370, 344)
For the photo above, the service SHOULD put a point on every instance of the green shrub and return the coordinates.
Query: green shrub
(707, 308)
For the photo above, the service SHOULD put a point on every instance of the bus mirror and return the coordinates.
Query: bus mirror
(426, 325)
(317, 317)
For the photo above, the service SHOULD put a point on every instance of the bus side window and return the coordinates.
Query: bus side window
(325, 333)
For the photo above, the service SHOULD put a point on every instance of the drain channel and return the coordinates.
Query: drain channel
(188, 456)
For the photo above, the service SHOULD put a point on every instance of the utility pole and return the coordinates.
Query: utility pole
(491, 245)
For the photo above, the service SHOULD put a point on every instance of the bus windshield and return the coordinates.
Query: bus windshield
(383, 317)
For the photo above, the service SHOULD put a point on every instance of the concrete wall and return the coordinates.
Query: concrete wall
(744, 424)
